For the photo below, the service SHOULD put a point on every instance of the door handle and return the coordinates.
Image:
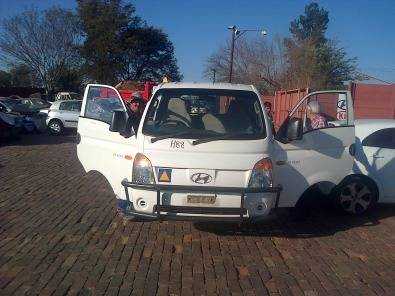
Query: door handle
(281, 162)
(377, 157)
(351, 150)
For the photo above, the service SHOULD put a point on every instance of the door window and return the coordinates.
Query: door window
(101, 102)
(76, 106)
(384, 138)
(323, 110)
(65, 106)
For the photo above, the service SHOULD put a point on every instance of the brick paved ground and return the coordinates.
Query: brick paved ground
(59, 234)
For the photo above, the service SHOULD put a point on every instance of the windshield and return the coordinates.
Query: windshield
(12, 103)
(205, 113)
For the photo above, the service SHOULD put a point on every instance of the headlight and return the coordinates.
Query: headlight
(261, 174)
(142, 170)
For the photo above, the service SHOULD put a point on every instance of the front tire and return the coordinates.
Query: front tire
(55, 127)
(356, 195)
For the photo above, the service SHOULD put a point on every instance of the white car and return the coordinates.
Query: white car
(374, 167)
(63, 115)
(206, 151)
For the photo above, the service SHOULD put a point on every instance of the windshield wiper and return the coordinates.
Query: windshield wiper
(167, 136)
(218, 138)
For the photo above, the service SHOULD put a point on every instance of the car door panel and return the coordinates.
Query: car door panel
(103, 151)
(383, 161)
(321, 157)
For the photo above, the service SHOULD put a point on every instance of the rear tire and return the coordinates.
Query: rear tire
(55, 127)
(356, 195)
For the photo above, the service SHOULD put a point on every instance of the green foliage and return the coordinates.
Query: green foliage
(312, 25)
(118, 45)
(68, 79)
(148, 54)
(18, 76)
(5, 79)
(313, 60)
(102, 23)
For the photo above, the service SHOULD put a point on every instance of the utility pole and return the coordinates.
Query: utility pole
(232, 49)
(236, 33)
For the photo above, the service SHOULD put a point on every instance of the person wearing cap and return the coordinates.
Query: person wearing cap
(136, 108)
(316, 119)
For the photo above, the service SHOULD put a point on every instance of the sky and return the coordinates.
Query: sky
(365, 28)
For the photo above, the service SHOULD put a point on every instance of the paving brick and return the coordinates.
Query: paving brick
(60, 234)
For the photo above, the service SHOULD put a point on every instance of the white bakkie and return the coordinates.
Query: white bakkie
(205, 150)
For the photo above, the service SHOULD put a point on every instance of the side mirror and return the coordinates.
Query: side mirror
(290, 130)
(118, 121)
(122, 123)
(294, 129)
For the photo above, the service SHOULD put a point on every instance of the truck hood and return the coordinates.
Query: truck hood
(221, 154)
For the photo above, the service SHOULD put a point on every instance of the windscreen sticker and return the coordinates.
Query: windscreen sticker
(164, 175)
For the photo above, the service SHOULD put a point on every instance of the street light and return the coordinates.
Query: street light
(236, 33)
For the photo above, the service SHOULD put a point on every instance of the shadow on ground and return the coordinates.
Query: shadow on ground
(41, 139)
(322, 222)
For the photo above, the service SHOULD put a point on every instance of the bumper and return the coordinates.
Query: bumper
(182, 212)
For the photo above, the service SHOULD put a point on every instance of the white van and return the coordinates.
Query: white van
(206, 151)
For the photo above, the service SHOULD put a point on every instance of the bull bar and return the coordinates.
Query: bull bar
(129, 210)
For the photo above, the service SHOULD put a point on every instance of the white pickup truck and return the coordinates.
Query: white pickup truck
(206, 151)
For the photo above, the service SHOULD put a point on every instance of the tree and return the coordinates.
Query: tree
(256, 62)
(43, 41)
(311, 26)
(70, 79)
(5, 79)
(103, 22)
(148, 54)
(22, 76)
(18, 75)
(314, 60)
(118, 45)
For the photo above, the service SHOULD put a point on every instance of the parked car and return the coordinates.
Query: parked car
(375, 159)
(63, 115)
(31, 119)
(64, 96)
(10, 123)
(207, 151)
(8, 131)
(35, 103)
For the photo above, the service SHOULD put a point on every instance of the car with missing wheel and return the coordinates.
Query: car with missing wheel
(207, 151)
(63, 115)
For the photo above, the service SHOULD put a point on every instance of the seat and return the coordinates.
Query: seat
(237, 119)
(212, 123)
(177, 111)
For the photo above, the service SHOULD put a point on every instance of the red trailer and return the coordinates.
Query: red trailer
(145, 90)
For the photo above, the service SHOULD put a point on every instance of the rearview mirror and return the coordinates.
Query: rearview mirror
(121, 123)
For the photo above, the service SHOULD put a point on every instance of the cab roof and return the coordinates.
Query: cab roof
(207, 85)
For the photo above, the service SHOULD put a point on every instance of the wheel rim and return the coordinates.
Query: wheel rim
(355, 198)
(55, 127)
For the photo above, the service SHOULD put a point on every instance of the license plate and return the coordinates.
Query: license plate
(204, 199)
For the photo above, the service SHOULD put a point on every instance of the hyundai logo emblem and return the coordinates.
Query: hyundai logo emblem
(201, 178)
